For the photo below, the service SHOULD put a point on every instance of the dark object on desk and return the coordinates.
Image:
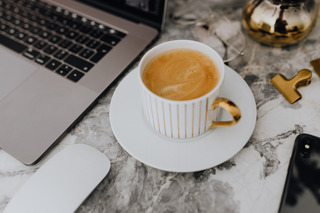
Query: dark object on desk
(58, 57)
(288, 88)
(279, 22)
(302, 188)
(316, 65)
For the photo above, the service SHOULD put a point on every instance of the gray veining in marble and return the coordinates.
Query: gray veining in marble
(251, 181)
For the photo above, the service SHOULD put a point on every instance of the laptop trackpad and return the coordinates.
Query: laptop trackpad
(13, 72)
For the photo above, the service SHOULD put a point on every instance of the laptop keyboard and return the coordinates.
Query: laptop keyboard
(62, 41)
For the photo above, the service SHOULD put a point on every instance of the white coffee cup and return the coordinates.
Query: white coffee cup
(190, 118)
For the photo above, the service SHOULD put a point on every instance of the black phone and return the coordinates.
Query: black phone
(302, 188)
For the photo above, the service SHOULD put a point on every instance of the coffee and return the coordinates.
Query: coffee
(181, 74)
(181, 85)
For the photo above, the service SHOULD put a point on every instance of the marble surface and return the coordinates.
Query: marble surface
(251, 181)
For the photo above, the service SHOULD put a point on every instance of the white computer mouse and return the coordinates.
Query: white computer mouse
(63, 182)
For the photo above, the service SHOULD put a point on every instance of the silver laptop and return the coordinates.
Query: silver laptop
(57, 57)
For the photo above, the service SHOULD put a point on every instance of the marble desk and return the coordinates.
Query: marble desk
(251, 181)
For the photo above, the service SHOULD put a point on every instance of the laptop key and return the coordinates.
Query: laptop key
(30, 40)
(42, 59)
(43, 22)
(40, 45)
(34, 18)
(76, 48)
(71, 34)
(85, 29)
(65, 43)
(61, 54)
(51, 25)
(97, 33)
(75, 25)
(26, 26)
(3, 27)
(55, 39)
(64, 70)
(36, 30)
(53, 64)
(8, 17)
(101, 51)
(82, 39)
(64, 20)
(24, 14)
(17, 22)
(11, 44)
(75, 76)
(110, 39)
(86, 53)
(93, 44)
(50, 49)
(11, 31)
(44, 34)
(78, 63)
(20, 35)
(31, 53)
(62, 31)
(115, 32)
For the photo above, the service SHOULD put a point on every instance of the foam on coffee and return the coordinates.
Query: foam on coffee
(181, 74)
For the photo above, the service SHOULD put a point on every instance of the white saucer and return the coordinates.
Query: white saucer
(209, 150)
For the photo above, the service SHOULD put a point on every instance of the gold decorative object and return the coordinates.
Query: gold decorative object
(228, 106)
(288, 88)
(316, 65)
(279, 22)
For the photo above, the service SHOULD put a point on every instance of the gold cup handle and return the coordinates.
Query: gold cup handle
(229, 106)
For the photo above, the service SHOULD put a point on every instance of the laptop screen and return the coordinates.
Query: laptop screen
(150, 12)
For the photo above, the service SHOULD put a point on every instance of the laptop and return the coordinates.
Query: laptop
(57, 57)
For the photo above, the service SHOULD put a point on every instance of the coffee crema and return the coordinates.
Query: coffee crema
(181, 74)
